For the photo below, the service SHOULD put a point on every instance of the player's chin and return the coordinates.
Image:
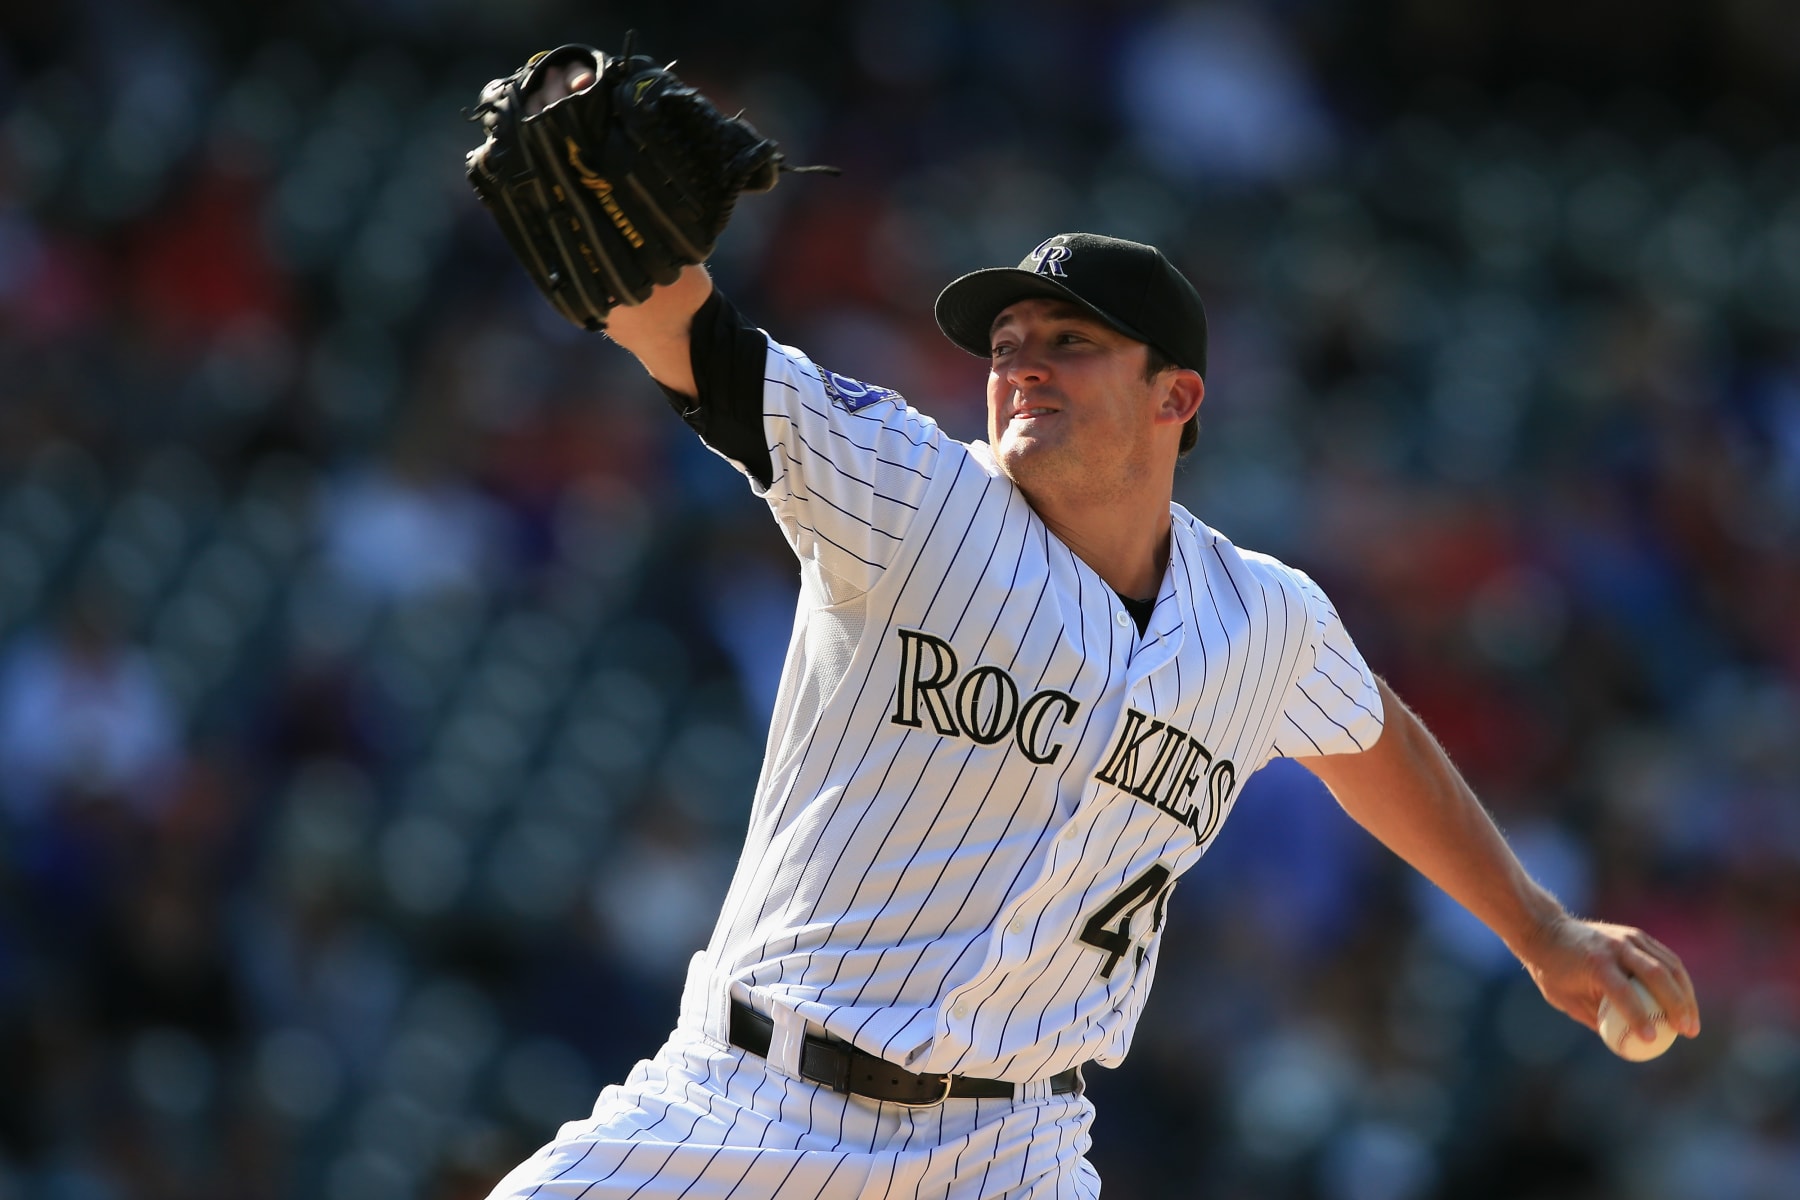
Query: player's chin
(1013, 445)
(1031, 434)
(1025, 456)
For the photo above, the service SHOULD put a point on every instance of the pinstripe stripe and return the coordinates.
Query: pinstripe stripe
(829, 760)
(800, 439)
(900, 810)
(899, 749)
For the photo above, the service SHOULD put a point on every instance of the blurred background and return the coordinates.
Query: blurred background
(384, 670)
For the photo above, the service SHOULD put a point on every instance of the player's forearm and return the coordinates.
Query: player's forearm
(656, 331)
(1407, 793)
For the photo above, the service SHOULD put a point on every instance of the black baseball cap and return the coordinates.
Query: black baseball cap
(1127, 285)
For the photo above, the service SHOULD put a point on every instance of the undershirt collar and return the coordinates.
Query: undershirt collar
(1140, 610)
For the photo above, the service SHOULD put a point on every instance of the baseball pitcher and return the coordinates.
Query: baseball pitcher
(1023, 693)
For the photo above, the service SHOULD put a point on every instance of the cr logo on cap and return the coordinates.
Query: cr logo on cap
(1049, 257)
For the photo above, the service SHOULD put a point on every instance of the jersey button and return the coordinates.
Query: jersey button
(1018, 925)
(1122, 619)
(960, 1009)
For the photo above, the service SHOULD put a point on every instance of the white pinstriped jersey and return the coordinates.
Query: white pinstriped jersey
(981, 779)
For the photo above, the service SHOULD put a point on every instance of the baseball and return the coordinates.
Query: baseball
(1623, 1041)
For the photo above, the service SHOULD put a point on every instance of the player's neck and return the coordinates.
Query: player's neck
(1127, 546)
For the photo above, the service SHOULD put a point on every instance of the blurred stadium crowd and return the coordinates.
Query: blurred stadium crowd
(383, 670)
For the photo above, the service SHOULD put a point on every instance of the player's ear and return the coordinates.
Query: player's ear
(1182, 392)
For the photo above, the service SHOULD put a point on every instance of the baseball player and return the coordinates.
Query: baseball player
(1023, 692)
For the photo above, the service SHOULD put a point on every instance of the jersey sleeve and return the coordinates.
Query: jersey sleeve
(1333, 707)
(727, 353)
(843, 464)
(850, 465)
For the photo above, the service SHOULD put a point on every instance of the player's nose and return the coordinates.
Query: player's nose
(1026, 364)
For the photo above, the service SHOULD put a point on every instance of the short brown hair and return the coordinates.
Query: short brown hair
(1155, 363)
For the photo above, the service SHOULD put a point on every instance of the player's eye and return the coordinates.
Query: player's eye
(1000, 348)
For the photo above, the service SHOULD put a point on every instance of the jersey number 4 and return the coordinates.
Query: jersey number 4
(1109, 928)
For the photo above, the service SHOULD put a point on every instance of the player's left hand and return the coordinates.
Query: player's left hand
(609, 176)
(1575, 962)
(554, 84)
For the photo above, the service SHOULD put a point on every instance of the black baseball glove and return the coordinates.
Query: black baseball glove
(612, 190)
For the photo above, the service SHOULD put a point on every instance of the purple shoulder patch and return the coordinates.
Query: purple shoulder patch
(852, 395)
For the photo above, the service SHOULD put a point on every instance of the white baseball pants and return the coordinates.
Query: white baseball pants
(703, 1121)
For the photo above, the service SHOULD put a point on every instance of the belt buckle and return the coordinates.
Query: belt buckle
(949, 1082)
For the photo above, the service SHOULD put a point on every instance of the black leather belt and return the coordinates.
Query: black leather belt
(844, 1068)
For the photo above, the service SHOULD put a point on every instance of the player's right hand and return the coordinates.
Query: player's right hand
(1575, 962)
